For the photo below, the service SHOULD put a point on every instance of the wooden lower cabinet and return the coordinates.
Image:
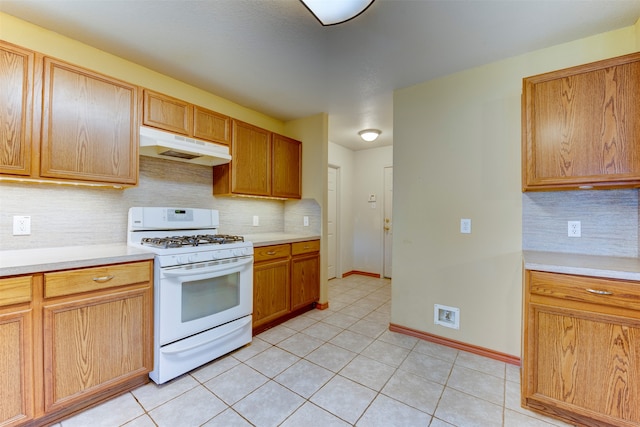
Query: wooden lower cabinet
(581, 349)
(82, 337)
(16, 351)
(286, 282)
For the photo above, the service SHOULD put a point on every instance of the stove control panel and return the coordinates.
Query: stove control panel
(203, 256)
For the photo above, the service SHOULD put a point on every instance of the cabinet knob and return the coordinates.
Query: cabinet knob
(598, 292)
(271, 253)
(103, 279)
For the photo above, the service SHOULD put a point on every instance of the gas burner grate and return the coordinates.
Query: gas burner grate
(182, 241)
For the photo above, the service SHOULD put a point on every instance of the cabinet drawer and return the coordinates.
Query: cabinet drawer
(266, 253)
(96, 278)
(15, 290)
(305, 247)
(618, 293)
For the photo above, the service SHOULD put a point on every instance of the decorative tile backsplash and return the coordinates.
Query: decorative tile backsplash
(609, 221)
(64, 215)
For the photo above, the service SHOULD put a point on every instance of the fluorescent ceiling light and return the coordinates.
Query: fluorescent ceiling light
(331, 12)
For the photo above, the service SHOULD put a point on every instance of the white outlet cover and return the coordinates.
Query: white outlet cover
(574, 229)
(21, 225)
(465, 226)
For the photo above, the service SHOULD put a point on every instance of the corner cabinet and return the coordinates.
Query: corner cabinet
(73, 338)
(581, 353)
(286, 282)
(581, 126)
(263, 164)
(174, 115)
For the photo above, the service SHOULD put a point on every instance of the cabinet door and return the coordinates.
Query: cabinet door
(581, 358)
(271, 291)
(93, 343)
(211, 126)
(90, 127)
(16, 365)
(581, 126)
(305, 280)
(251, 160)
(16, 85)
(287, 167)
(164, 112)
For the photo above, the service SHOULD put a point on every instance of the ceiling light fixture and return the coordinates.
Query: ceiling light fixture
(369, 135)
(332, 12)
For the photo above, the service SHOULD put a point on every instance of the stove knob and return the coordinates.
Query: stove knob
(181, 259)
(237, 252)
(193, 257)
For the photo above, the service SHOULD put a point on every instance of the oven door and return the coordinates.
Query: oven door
(196, 297)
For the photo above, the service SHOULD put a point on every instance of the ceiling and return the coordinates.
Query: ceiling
(273, 56)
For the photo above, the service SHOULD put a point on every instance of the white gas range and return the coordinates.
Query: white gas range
(203, 296)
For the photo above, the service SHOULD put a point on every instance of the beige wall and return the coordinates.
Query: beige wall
(457, 155)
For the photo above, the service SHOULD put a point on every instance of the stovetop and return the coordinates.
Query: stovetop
(197, 240)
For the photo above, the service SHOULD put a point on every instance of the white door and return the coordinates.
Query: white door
(332, 224)
(388, 219)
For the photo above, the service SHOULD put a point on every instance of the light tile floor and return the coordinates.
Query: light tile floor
(335, 367)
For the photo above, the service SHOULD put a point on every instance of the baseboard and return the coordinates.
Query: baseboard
(322, 306)
(481, 351)
(361, 273)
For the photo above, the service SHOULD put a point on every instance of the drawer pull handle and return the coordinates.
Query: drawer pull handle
(103, 279)
(271, 253)
(598, 292)
(306, 247)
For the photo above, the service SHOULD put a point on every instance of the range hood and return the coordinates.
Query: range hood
(169, 146)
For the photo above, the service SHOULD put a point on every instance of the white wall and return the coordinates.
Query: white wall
(457, 155)
(344, 159)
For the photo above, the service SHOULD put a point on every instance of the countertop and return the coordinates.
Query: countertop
(583, 265)
(27, 261)
(266, 239)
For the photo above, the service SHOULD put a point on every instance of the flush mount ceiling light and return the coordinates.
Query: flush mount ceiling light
(332, 12)
(369, 135)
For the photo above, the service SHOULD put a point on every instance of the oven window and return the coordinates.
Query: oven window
(202, 298)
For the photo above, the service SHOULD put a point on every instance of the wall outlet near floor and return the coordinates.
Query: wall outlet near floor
(574, 229)
(21, 225)
(256, 220)
(446, 316)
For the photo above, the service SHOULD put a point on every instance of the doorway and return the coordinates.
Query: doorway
(388, 220)
(332, 222)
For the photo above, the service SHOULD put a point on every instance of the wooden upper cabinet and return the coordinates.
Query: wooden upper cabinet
(89, 126)
(164, 112)
(287, 167)
(262, 164)
(174, 115)
(581, 126)
(16, 88)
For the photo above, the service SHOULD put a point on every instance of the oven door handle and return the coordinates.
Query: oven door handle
(200, 344)
(218, 268)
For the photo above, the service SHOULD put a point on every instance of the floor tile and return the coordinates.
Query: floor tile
(428, 367)
(351, 341)
(340, 320)
(300, 344)
(309, 415)
(477, 384)
(482, 364)
(236, 383)
(386, 353)
(228, 418)
(215, 368)
(464, 410)
(368, 372)
(299, 323)
(152, 395)
(304, 378)
(344, 398)
(192, 408)
(369, 329)
(277, 334)
(269, 405)
(386, 412)
(414, 391)
(322, 331)
(331, 357)
(401, 340)
(256, 346)
(141, 421)
(436, 350)
(114, 412)
(272, 361)
(355, 310)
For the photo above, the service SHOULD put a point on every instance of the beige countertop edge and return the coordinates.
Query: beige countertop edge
(267, 239)
(28, 261)
(584, 265)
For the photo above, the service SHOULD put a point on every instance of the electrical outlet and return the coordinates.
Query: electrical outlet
(305, 221)
(574, 229)
(21, 225)
(256, 220)
(465, 226)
